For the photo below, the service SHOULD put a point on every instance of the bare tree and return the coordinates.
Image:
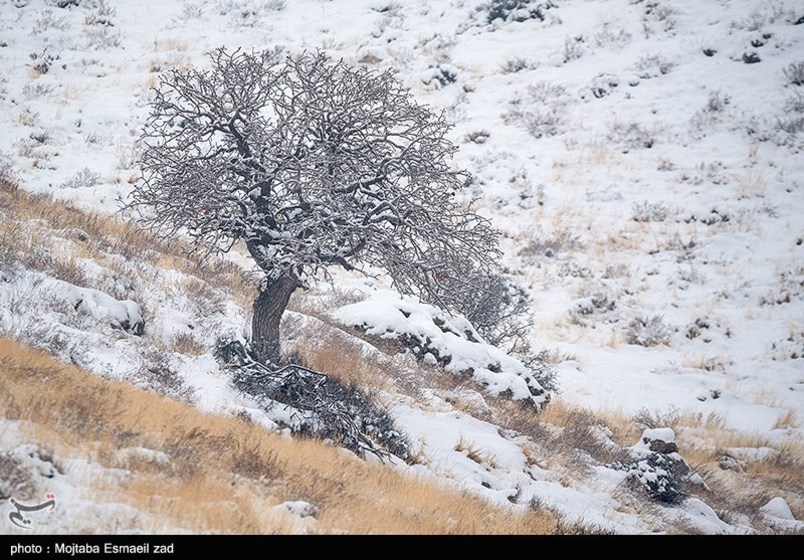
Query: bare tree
(311, 163)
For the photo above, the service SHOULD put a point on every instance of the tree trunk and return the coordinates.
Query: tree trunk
(268, 309)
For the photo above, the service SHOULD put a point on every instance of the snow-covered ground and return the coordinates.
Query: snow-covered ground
(643, 160)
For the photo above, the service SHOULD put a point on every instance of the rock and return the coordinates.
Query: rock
(656, 467)
(729, 463)
(301, 509)
(778, 508)
(125, 314)
(659, 440)
(657, 475)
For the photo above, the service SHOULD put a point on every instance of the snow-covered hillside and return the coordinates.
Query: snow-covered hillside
(642, 159)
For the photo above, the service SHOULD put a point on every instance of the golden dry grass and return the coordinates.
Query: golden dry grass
(225, 473)
(346, 365)
(37, 228)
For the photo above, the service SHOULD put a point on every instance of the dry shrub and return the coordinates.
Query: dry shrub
(566, 526)
(186, 343)
(474, 452)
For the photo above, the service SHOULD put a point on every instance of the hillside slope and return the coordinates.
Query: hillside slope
(641, 158)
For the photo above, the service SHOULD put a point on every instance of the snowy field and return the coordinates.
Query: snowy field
(642, 159)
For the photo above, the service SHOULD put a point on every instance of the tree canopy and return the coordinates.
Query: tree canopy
(312, 163)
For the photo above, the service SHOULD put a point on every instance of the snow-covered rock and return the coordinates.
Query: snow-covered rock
(778, 508)
(658, 440)
(301, 508)
(124, 314)
(657, 468)
(440, 338)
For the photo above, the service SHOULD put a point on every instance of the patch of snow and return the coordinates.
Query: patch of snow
(778, 508)
(450, 340)
(100, 306)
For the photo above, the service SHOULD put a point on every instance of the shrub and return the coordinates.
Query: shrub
(550, 244)
(648, 331)
(649, 212)
(441, 75)
(84, 178)
(501, 312)
(517, 64)
(658, 475)
(320, 406)
(541, 110)
(717, 102)
(516, 10)
(573, 49)
(156, 373)
(795, 73)
(631, 136)
(16, 481)
(652, 65)
(603, 84)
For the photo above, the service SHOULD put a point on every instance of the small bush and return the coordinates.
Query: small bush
(36, 90)
(478, 136)
(794, 103)
(48, 20)
(649, 212)
(573, 49)
(631, 136)
(516, 10)
(567, 526)
(652, 65)
(518, 64)
(589, 310)
(603, 84)
(611, 35)
(658, 475)
(320, 406)
(247, 13)
(549, 245)
(186, 343)
(42, 61)
(795, 73)
(717, 102)
(156, 373)
(83, 179)
(16, 481)
(501, 312)
(541, 110)
(441, 75)
(251, 460)
(648, 331)
(648, 419)
(661, 13)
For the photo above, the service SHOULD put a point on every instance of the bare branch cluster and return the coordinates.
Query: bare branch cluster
(311, 163)
(319, 405)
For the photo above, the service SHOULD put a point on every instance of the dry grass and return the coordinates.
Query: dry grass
(787, 420)
(569, 437)
(475, 453)
(186, 343)
(35, 228)
(346, 366)
(225, 472)
(323, 346)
